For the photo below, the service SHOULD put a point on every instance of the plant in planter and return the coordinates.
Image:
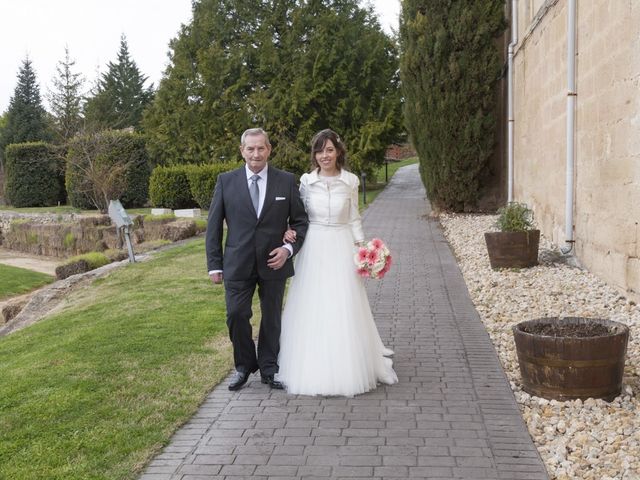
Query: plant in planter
(516, 244)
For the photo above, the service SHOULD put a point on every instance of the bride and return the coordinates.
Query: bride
(329, 343)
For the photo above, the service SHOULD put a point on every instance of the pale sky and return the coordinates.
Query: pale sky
(92, 29)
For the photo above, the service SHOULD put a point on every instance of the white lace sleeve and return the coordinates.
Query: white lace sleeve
(354, 214)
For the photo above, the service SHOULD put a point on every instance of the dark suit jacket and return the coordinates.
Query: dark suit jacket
(249, 239)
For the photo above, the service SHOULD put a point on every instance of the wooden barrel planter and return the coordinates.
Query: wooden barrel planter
(513, 249)
(572, 357)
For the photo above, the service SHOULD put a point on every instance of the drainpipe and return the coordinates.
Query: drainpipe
(571, 117)
(510, 119)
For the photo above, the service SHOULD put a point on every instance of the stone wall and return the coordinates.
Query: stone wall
(9, 217)
(67, 235)
(607, 145)
(61, 239)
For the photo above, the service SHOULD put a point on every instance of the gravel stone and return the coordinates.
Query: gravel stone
(588, 440)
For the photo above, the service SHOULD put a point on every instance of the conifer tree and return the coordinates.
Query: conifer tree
(291, 67)
(3, 124)
(120, 95)
(66, 99)
(26, 119)
(449, 68)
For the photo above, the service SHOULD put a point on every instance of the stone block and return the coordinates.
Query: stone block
(161, 211)
(64, 271)
(178, 230)
(11, 309)
(188, 213)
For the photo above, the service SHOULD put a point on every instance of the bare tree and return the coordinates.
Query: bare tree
(102, 179)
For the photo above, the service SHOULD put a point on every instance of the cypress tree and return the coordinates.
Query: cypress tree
(291, 67)
(120, 96)
(449, 68)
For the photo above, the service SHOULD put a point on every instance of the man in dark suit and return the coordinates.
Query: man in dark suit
(258, 203)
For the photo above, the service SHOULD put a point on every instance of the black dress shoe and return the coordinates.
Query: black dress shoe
(272, 382)
(238, 379)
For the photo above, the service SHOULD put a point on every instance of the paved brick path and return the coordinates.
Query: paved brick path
(451, 416)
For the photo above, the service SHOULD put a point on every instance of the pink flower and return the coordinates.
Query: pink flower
(377, 243)
(363, 272)
(373, 260)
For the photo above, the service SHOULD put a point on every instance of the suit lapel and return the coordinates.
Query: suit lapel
(270, 193)
(242, 187)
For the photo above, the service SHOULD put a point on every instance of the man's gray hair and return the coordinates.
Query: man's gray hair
(254, 131)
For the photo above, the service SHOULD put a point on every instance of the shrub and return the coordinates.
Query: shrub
(131, 146)
(201, 224)
(33, 175)
(69, 240)
(81, 263)
(515, 217)
(158, 218)
(186, 186)
(169, 187)
(107, 166)
(93, 259)
(202, 181)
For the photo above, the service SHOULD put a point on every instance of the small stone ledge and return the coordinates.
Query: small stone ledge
(188, 213)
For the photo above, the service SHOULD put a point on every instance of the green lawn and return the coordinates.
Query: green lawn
(60, 209)
(14, 280)
(97, 390)
(63, 209)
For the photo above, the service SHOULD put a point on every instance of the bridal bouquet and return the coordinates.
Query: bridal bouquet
(373, 260)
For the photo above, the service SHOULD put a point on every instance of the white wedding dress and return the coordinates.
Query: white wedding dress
(329, 343)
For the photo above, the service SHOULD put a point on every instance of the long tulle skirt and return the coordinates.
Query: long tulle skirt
(329, 343)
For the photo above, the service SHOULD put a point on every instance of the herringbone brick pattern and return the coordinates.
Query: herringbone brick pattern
(451, 416)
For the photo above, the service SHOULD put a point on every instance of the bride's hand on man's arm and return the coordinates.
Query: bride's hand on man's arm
(289, 236)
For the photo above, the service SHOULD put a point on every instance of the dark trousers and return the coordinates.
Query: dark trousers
(238, 296)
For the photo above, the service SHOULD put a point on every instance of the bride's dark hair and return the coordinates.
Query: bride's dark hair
(318, 142)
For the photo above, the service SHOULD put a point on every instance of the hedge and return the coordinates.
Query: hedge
(106, 150)
(185, 186)
(202, 181)
(169, 187)
(34, 174)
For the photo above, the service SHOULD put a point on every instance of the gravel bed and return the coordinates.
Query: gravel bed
(589, 439)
